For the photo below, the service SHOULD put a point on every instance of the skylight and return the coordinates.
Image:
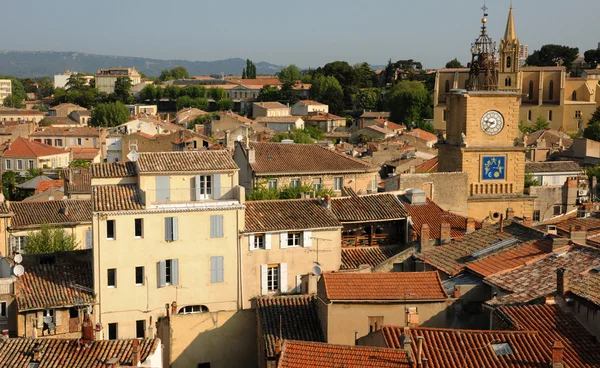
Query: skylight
(494, 247)
(502, 348)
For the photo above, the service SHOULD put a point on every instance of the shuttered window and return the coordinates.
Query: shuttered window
(163, 188)
(110, 229)
(168, 272)
(171, 229)
(216, 226)
(216, 269)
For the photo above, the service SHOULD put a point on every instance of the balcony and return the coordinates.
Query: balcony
(192, 198)
(6, 286)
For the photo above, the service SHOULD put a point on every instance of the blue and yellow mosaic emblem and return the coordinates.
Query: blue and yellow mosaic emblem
(493, 168)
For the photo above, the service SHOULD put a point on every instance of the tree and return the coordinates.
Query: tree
(110, 114)
(552, 55)
(76, 81)
(291, 73)
(297, 135)
(225, 104)
(287, 95)
(217, 93)
(148, 93)
(369, 98)
(530, 181)
(250, 69)
(121, 91)
(540, 124)
(595, 116)
(9, 183)
(454, 63)
(328, 90)
(184, 101)
(165, 75)
(179, 72)
(268, 94)
(45, 87)
(79, 162)
(592, 57)
(49, 240)
(13, 101)
(33, 173)
(364, 75)
(408, 102)
(194, 91)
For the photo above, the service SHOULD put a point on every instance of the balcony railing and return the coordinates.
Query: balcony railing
(191, 197)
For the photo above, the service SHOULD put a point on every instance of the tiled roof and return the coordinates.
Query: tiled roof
(419, 133)
(47, 185)
(451, 258)
(587, 287)
(433, 215)
(4, 210)
(311, 103)
(380, 129)
(554, 324)
(428, 166)
(513, 257)
(288, 214)
(277, 119)
(322, 116)
(591, 224)
(84, 153)
(50, 212)
(271, 105)
(354, 257)
(33, 183)
(375, 114)
(552, 167)
(67, 104)
(186, 161)
(50, 286)
(288, 317)
(22, 147)
(69, 353)
(77, 180)
(20, 112)
(113, 170)
(551, 137)
(450, 348)
(373, 207)
(241, 119)
(303, 158)
(299, 354)
(412, 286)
(122, 197)
(84, 131)
(382, 123)
(538, 279)
(57, 120)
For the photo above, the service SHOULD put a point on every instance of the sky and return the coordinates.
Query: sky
(308, 33)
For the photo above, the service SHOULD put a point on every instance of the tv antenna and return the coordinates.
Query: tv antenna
(319, 239)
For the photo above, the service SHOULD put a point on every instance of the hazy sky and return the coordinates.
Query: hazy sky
(307, 33)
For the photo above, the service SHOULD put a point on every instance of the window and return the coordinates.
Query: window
(204, 186)
(17, 243)
(139, 275)
(508, 61)
(30, 164)
(168, 272)
(502, 348)
(216, 226)
(272, 184)
(294, 183)
(112, 277)
(316, 184)
(445, 113)
(7, 164)
(530, 90)
(48, 141)
(138, 227)
(551, 91)
(577, 114)
(273, 278)
(171, 229)
(549, 115)
(112, 331)
(294, 239)
(557, 210)
(574, 96)
(3, 310)
(338, 183)
(110, 229)
(163, 188)
(58, 142)
(216, 269)
(536, 215)
(258, 241)
(375, 322)
(140, 329)
(507, 82)
(19, 164)
(529, 115)
(49, 316)
(447, 87)
(193, 309)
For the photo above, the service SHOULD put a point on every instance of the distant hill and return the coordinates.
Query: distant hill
(47, 63)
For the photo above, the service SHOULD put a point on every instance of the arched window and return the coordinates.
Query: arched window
(551, 91)
(508, 62)
(193, 309)
(531, 90)
(509, 81)
(447, 87)
(574, 96)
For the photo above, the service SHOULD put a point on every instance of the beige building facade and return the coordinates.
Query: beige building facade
(5, 90)
(270, 109)
(105, 78)
(21, 115)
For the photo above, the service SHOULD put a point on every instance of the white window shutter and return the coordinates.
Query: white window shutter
(58, 316)
(175, 229)
(283, 285)
(162, 273)
(264, 288)
(267, 241)
(88, 239)
(298, 283)
(168, 229)
(197, 187)
(251, 241)
(216, 186)
(175, 272)
(307, 241)
(283, 240)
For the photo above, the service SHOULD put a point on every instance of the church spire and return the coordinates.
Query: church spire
(510, 34)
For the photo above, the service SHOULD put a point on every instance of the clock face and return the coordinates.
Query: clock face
(492, 122)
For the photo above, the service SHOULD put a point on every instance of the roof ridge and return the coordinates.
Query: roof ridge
(461, 330)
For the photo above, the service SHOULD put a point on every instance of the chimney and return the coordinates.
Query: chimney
(558, 243)
(456, 294)
(4, 335)
(578, 234)
(327, 201)
(174, 307)
(419, 349)
(470, 225)
(412, 317)
(37, 352)
(445, 236)
(251, 156)
(501, 223)
(424, 238)
(405, 341)
(425, 362)
(510, 213)
(558, 350)
(136, 352)
(527, 221)
(87, 329)
(562, 281)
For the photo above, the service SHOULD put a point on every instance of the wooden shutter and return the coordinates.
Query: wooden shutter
(163, 187)
(251, 241)
(264, 288)
(161, 271)
(220, 269)
(306, 238)
(213, 269)
(197, 187)
(283, 240)
(58, 316)
(88, 239)
(175, 272)
(216, 183)
(216, 226)
(40, 319)
(168, 229)
(175, 225)
(283, 286)
(267, 241)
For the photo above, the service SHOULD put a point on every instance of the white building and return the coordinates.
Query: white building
(5, 89)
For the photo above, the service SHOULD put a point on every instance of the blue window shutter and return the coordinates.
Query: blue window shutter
(213, 269)
(216, 226)
(219, 226)
(175, 225)
(213, 226)
(163, 187)
(174, 272)
(216, 183)
(220, 269)
(168, 229)
(197, 187)
(161, 271)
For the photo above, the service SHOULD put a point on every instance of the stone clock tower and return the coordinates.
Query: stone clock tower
(482, 127)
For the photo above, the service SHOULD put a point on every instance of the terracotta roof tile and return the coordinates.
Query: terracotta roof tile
(69, 353)
(433, 215)
(277, 119)
(419, 133)
(20, 112)
(122, 197)
(22, 147)
(410, 286)
(57, 120)
(449, 348)
(373, 207)
(299, 354)
(322, 116)
(84, 131)
(113, 170)
(428, 166)
(552, 167)
(241, 119)
(84, 153)
(77, 180)
(187, 161)
(550, 136)
(587, 287)
(288, 317)
(518, 255)
(304, 158)
(55, 212)
(375, 114)
(554, 324)
(354, 257)
(379, 129)
(47, 185)
(288, 214)
(311, 103)
(271, 105)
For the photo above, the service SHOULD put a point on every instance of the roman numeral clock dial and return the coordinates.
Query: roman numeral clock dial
(492, 122)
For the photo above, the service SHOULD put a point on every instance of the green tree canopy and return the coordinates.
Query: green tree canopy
(148, 93)
(539, 124)
(327, 90)
(592, 57)
(195, 91)
(9, 183)
(110, 114)
(217, 93)
(122, 90)
(408, 102)
(290, 73)
(250, 71)
(268, 93)
(79, 162)
(297, 135)
(369, 98)
(364, 75)
(552, 55)
(45, 88)
(225, 104)
(76, 81)
(287, 95)
(32, 173)
(13, 101)
(454, 63)
(49, 240)
(179, 72)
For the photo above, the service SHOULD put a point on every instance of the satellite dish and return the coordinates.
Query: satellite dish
(133, 156)
(51, 198)
(18, 258)
(317, 270)
(239, 138)
(18, 270)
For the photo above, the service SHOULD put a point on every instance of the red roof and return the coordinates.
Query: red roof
(383, 286)
(303, 354)
(47, 185)
(85, 153)
(354, 257)
(427, 166)
(419, 133)
(22, 147)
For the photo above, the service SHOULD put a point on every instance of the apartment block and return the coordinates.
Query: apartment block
(106, 78)
(5, 89)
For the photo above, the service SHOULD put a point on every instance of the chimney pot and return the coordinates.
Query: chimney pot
(557, 354)
(174, 307)
(470, 225)
(527, 221)
(136, 352)
(445, 233)
(510, 213)
(424, 237)
(562, 281)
